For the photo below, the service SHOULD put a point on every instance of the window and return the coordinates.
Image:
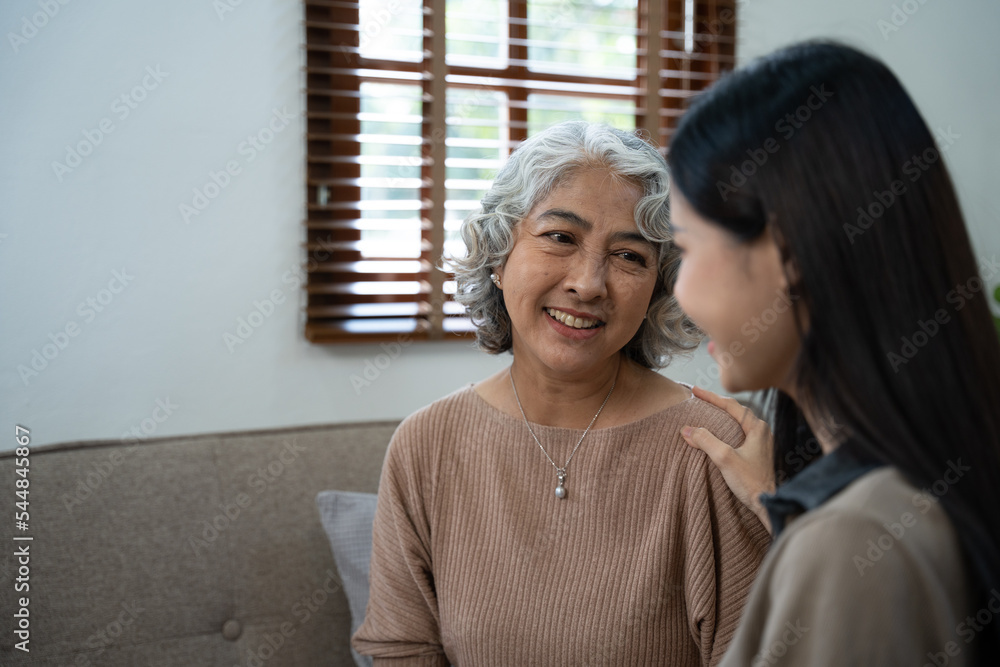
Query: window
(413, 105)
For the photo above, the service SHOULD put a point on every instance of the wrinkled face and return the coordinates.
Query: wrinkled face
(737, 293)
(580, 276)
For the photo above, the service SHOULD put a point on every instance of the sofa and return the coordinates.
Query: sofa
(189, 551)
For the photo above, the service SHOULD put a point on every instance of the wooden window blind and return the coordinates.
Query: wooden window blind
(412, 106)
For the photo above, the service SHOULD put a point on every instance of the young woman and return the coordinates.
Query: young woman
(825, 254)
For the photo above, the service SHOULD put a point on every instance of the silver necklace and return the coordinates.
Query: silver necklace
(560, 472)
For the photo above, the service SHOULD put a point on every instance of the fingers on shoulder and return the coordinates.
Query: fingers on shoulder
(717, 450)
(727, 403)
(756, 426)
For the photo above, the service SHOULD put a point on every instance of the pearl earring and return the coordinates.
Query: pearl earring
(496, 280)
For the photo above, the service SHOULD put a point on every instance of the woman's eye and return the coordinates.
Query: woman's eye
(633, 257)
(560, 237)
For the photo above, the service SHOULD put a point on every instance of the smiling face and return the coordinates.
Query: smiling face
(580, 275)
(737, 293)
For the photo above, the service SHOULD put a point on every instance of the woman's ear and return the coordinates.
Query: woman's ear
(792, 275)
(790, 280)
(789, 271)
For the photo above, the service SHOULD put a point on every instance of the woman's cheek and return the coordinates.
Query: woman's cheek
(681, 290)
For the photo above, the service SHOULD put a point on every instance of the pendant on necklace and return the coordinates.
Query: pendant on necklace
(560, 489)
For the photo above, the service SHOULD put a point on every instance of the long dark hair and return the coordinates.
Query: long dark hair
(821, 142)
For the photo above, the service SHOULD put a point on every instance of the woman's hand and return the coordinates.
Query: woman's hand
(748, 470)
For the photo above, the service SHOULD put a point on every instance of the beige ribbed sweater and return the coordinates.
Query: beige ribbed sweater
(647, 561)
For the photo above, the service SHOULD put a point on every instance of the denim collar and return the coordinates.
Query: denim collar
(813, 486)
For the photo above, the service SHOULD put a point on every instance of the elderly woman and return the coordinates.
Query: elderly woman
(551, 514)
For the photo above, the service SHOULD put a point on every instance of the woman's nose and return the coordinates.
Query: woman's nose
(587, 276)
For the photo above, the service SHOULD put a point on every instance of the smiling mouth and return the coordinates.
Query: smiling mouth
(573, 322)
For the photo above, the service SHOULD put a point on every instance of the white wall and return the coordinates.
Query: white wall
(160, 338)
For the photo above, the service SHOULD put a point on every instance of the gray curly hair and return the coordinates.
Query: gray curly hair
(534, 169)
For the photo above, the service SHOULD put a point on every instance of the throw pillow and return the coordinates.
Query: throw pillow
(347, 518)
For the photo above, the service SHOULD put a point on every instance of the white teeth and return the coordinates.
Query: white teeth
(570, 321)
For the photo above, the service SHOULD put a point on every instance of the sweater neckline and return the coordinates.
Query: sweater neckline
(499, 415)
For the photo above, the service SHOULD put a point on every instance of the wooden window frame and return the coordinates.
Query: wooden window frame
(334, 72)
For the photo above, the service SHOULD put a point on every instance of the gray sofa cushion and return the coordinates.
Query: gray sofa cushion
(347, 518)
(203, 550)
